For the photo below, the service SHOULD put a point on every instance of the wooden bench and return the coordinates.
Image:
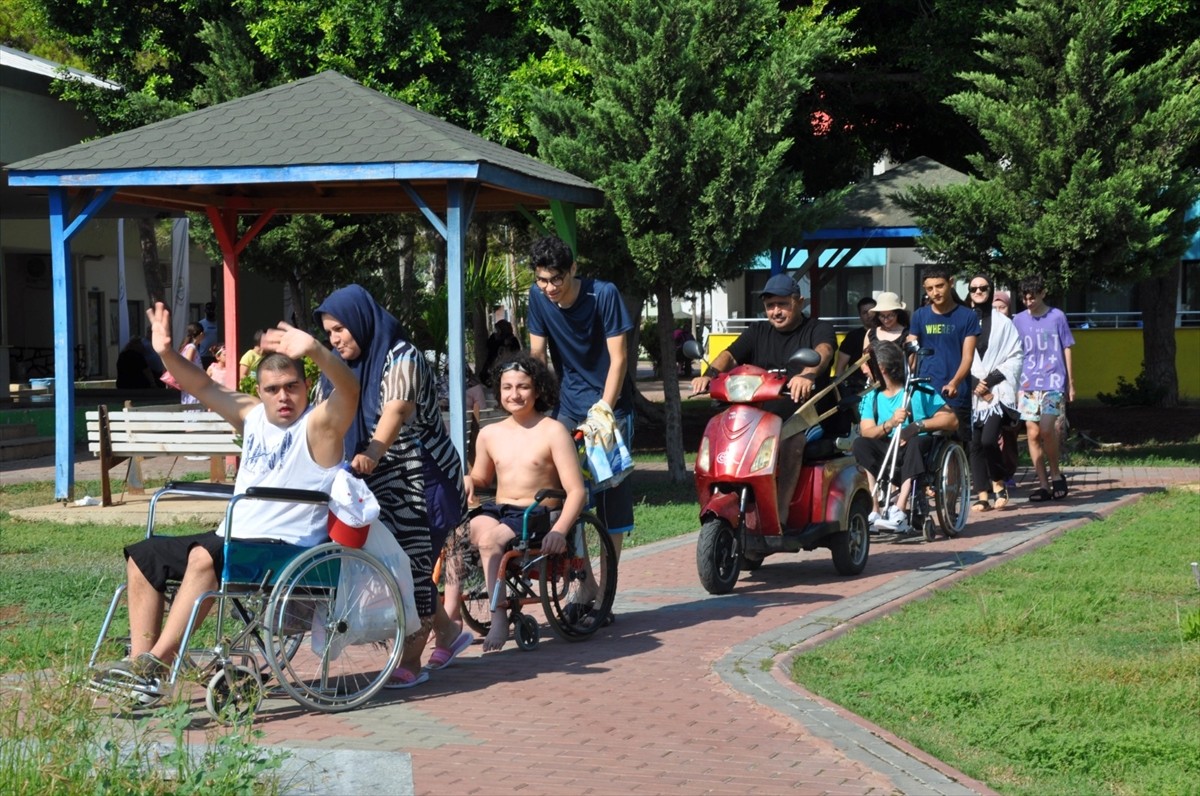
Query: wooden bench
(116, 436)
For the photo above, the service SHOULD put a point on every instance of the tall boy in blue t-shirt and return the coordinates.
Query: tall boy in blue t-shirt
(950, 330)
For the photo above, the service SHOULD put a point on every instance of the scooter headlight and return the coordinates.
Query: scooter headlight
(742, 388)
(702, 455)
(763, 459)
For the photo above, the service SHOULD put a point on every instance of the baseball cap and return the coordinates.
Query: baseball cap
(780, 285)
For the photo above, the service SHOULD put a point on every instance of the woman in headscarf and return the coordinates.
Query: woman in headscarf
(399, 445)
(995, 374)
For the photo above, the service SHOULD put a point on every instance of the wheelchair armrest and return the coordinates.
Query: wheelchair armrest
(293, 495)
(549, 494)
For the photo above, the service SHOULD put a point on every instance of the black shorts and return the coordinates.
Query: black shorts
(514, 518)
(164, 559)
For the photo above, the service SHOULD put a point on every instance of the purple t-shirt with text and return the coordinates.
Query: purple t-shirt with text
(1044, 338)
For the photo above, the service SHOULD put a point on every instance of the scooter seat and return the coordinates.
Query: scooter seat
(824, 448)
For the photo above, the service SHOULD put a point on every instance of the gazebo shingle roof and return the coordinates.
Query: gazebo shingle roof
(327, 120)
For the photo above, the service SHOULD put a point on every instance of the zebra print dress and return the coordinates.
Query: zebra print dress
(418, 481)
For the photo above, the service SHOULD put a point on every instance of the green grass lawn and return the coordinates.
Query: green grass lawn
(1072, 669)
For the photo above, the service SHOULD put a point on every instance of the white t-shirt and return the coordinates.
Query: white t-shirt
(279, 457)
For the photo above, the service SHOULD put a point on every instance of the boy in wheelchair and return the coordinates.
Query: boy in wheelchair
(286, 444)
(522, 454)
(883, 414)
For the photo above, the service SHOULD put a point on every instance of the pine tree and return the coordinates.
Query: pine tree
(1091, 164)
(683, 128)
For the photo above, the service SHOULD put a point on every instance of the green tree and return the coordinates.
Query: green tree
(683, 129)
(1091, 161)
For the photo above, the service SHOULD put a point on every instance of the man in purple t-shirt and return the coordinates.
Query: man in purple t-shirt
(1047, 384)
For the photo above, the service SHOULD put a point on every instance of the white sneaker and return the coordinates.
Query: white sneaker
(895, 517)
(872, 519)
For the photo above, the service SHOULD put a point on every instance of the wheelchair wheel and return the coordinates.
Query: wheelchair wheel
(475, 605)
(578, 588)
(527, 632)
(233, 694)
(356, 627)
(953, 486)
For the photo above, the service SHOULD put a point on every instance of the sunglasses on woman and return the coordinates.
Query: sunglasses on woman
(980, 288)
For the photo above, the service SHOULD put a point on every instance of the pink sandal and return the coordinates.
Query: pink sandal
(444, 656)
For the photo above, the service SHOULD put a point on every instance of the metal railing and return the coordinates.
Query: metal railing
(1077, 320)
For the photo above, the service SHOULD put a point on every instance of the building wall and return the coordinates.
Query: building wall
(34, 124)
(26, 300)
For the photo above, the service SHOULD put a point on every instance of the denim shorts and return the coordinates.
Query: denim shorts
(1033, 405)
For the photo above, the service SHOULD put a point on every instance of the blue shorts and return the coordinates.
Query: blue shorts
(513, 517)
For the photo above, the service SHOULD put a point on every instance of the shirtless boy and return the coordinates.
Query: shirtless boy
(522, 454)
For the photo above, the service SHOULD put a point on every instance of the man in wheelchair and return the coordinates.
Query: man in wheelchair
(287, 443)
(885, 412)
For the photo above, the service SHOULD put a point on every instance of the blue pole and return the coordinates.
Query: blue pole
(459, 204)
(64, 354)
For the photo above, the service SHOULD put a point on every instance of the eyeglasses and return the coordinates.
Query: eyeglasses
(979, 288)
(886, 315)
(555, 280)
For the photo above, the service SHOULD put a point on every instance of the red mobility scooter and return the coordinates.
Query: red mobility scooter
(735, 480)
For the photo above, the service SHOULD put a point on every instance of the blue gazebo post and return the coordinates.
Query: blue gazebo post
(460, 204)
(64, 332)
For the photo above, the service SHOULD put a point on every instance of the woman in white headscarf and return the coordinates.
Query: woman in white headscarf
(995, 374)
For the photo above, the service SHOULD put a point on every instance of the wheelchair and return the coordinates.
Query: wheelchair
(327, 641)
(556, 582)
(942, 494)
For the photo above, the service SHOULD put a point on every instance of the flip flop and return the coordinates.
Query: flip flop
(444, 656)
(403, 678)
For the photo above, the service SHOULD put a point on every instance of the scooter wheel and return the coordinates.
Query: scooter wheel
(718, 561)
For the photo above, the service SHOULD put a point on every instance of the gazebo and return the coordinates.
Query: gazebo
(872, 218)
(324, 144)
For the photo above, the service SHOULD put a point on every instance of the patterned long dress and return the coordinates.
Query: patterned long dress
(420, 464)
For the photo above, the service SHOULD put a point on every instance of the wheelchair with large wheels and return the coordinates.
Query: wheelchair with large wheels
(941, 496)
(558, 583)
(325, 624)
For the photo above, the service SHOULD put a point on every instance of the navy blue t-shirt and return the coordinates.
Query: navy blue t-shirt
(578, 337)
(945, 334)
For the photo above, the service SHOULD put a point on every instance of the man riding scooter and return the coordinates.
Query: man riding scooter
(769, 345)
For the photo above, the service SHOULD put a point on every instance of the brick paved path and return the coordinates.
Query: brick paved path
(684, 693)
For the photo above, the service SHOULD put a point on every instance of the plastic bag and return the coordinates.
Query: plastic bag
(605, 453)
(362, 604)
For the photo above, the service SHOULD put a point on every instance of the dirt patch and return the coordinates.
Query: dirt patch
(1136, 425)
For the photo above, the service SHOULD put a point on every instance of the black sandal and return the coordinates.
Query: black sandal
(1041, 496)
(981, 505)
(1060, 488)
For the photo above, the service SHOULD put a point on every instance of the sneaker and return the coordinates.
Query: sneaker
(892, 521)
(142, 677)
(903, 526)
